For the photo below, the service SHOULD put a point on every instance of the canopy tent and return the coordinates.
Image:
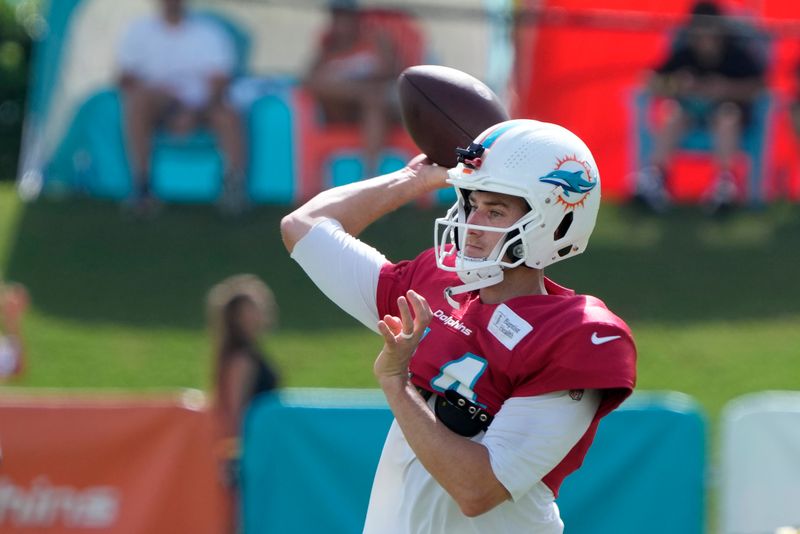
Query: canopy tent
(581, 63)
(75, 59)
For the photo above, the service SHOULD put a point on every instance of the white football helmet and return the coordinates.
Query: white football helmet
(546, 165)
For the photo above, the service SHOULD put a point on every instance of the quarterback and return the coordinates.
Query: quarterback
(497, 376)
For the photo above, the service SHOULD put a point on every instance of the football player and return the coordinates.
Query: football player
(496, 375)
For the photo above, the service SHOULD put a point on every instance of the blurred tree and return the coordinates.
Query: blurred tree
(15, 53)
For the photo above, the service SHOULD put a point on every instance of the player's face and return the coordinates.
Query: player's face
(490, 209)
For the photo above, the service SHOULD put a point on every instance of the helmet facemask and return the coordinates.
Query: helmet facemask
(450, 238)
(546, 166)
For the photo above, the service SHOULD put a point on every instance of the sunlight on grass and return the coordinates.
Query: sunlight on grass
(753, 229)
(64, 353)
(121, 305)
(716, 361)
(711, 361)
(614, 228)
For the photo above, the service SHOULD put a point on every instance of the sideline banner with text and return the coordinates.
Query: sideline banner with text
(112, 464)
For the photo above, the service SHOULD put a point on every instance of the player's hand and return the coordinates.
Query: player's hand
(421, 168)
(401, 335)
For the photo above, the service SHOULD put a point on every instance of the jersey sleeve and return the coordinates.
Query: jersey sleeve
(592, 356)
(345, 269)
(530, 436)
(395, 280)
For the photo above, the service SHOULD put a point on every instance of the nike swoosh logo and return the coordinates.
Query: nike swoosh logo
(596, 340)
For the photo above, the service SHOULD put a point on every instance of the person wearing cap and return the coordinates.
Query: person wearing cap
(710, 80)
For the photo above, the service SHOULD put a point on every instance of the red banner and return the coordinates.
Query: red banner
(112, 465)
(581, 61)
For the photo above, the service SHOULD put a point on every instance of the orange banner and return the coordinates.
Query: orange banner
(128, 465)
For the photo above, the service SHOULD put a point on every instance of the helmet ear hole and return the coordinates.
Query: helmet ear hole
(563, 227)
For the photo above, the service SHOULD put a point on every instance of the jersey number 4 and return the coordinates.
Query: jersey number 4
(461, 375)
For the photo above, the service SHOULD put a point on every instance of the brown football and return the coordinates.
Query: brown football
(444, 109)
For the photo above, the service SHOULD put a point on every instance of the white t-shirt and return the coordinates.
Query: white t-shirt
(528, 437)
(180, 59)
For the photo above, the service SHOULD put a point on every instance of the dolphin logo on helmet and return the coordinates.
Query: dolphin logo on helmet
(523, 158)
(571, 182)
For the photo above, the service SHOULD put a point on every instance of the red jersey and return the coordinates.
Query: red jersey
(526, 346)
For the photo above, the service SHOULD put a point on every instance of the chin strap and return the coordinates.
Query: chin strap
(490, 280)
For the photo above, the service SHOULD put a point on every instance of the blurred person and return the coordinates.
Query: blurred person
(352, 77)
(711, 80)
(175, 70)
(497, 376)
(240, 310)
(794, 104)
(13, 303)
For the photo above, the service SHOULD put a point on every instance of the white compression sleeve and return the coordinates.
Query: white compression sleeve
(345, 269)
(531, 435)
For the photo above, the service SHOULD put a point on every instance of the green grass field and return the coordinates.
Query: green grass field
(714, 305)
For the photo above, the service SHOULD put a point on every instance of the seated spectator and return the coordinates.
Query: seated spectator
(353, 78)
(711, 80)
(240, 309)
(175, 72)
(13, 303)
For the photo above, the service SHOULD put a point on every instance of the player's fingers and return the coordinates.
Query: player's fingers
(386, 332)
(422, 310)
(418, 163)
(421, 303)
(405, 317)
(394, 324)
